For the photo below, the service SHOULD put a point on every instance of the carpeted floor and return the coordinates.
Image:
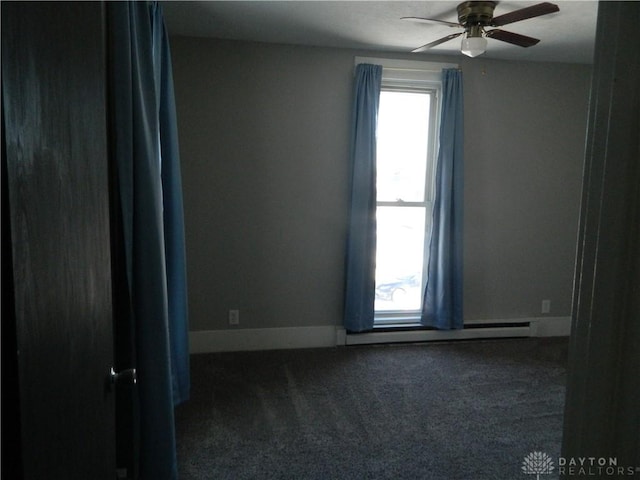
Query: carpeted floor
(446, 411)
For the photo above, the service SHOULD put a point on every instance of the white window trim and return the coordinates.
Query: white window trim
(418, 70)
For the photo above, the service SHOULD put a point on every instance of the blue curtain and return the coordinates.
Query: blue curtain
(442, 307)
(149, 185)
(361, 240)
(173, 215)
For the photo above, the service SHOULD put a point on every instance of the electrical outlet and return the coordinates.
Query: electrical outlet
(546, 306)
(234, 317)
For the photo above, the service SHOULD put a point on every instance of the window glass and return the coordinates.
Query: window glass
(403, 135)
(399, 258)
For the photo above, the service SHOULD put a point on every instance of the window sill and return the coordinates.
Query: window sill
(397, 322)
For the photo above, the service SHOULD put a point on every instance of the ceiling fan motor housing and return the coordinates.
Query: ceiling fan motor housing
(475, 13)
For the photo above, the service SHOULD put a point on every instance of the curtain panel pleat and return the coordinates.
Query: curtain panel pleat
(442, 306)
(148, 172)
(361, 240)
(173, 215)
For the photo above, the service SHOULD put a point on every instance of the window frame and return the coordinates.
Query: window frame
(417, 77)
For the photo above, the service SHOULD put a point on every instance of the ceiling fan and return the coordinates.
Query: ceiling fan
(475, 16)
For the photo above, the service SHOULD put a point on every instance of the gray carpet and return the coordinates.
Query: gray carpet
(468, 411)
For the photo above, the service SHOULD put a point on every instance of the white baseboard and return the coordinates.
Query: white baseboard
(550, 326)
(209, 341)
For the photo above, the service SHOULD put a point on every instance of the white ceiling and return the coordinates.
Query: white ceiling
(566, 36)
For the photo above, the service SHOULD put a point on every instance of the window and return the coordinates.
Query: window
(406, 159)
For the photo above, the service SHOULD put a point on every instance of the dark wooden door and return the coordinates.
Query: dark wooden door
(56, 153)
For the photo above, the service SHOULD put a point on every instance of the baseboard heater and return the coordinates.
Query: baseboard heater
(412, 334)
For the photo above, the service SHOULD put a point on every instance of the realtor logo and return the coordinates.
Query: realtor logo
(537, 463)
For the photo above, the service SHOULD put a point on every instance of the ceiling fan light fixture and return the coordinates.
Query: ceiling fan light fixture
(473, 46)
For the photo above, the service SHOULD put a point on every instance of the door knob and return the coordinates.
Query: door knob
(125, 377)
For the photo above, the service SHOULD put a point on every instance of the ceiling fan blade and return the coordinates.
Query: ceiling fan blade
(437, 42)
(524, 13)
(430, 20)
(510, 37)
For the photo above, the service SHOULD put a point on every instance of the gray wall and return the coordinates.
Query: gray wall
(264, 139)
